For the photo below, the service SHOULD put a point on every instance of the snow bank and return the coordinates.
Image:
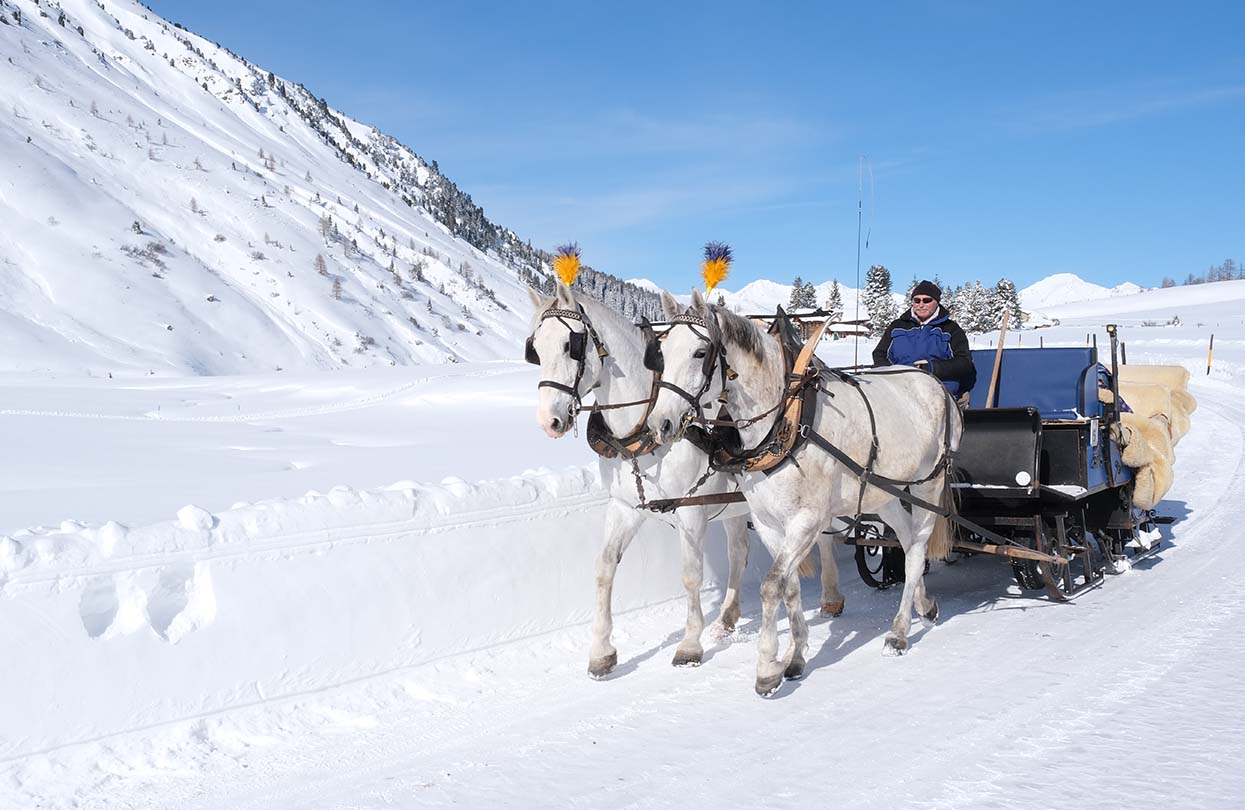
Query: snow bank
(137, 627)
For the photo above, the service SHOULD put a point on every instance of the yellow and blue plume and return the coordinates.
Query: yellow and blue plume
(566, 263)
(716, 265)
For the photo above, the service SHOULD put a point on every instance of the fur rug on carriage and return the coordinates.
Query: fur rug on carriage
(1161, 407)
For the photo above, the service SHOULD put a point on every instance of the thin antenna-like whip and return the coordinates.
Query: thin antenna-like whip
(860, 193)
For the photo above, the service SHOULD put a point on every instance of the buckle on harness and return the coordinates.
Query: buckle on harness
(804, 431)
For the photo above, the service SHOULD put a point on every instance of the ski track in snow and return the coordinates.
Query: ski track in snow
(1012, 701)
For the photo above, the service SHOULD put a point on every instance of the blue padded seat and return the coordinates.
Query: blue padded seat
(1062, 383)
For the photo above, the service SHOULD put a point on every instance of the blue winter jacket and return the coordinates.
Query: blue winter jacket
(941, 342)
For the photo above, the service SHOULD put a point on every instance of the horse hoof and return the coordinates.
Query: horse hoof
(794, 670)
(895, 646)
(768, 686)
(598, 668)
(686, 659)
(928, 619)
(832, 608)
(729, 619)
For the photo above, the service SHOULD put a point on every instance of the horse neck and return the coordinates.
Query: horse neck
(758, 386)
(626, 346)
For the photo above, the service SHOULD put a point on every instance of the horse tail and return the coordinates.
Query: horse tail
(942, 540)
(807, 569)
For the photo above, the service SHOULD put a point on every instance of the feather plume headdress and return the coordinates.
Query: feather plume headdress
(566, 263)
(716, 265)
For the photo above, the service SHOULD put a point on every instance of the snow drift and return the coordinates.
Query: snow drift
(177, 620)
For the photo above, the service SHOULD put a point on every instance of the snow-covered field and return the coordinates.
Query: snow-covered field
(185, 625)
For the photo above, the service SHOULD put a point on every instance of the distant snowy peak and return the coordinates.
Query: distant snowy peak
(645, 284)
(1067, 288)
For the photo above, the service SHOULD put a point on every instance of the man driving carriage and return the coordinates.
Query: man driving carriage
(926, 337)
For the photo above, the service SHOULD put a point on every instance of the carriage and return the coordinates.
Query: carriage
(1040, 470)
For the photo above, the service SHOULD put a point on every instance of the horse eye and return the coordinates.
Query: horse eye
(700, 354)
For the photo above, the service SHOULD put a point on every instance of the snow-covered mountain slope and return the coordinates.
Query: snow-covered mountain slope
(167, 206)
(1064, 288)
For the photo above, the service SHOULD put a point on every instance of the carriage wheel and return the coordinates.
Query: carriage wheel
(880, 566)
(1058, 577)
(1027, 575)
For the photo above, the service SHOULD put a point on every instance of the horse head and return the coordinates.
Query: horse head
(691, 357)
(569, 353)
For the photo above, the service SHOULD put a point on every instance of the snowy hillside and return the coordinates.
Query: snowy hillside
(1064, 288)
(167, 206)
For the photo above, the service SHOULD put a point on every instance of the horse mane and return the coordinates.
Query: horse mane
(740, 331)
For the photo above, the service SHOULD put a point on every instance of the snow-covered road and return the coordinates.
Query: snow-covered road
(1128, 697)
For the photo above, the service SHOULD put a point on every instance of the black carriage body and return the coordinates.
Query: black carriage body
(1041, 467)
(1047, 444)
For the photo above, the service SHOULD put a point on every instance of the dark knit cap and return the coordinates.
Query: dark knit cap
(928, 288)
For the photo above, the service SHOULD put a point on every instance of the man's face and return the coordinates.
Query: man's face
(923, 306)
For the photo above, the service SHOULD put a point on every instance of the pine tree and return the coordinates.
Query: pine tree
(973, 309)
(877, 299)
(810, 295)
(800, 295)
(337, 289)
(320, 265)
(1007, 299)
(834, 304)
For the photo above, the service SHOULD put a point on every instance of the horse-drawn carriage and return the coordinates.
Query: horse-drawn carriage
(1039, 477)
(1041, 467)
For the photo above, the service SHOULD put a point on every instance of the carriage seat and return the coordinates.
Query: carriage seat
(1062, 383)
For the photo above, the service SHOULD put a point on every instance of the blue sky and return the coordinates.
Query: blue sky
(1008, 139)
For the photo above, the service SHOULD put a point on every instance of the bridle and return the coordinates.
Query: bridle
(714, 356)
(577, 349)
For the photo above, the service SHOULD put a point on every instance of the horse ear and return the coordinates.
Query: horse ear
(539, 302)
(669, 307)
(565, 298)
(698, 302)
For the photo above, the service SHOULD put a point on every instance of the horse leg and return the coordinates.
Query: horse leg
(831, 597)
(737, 555)
(914, 544)
(692, 534)
(799, 629)
(792, 543)
(621, 524)
(925, 524)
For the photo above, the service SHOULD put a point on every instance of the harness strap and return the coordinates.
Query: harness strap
(665, 505)
(891, 487)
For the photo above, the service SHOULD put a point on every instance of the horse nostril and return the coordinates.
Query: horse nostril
(556, 423)
(667, 427)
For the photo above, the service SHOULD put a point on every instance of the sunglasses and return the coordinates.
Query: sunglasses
(920, 299)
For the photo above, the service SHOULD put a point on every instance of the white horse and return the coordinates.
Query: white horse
(620, 377)
(914, 430)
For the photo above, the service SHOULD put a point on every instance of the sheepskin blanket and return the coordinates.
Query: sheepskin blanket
(1147, 448)
(1161, 406)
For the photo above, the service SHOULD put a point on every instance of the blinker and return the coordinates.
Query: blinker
(578, 343)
